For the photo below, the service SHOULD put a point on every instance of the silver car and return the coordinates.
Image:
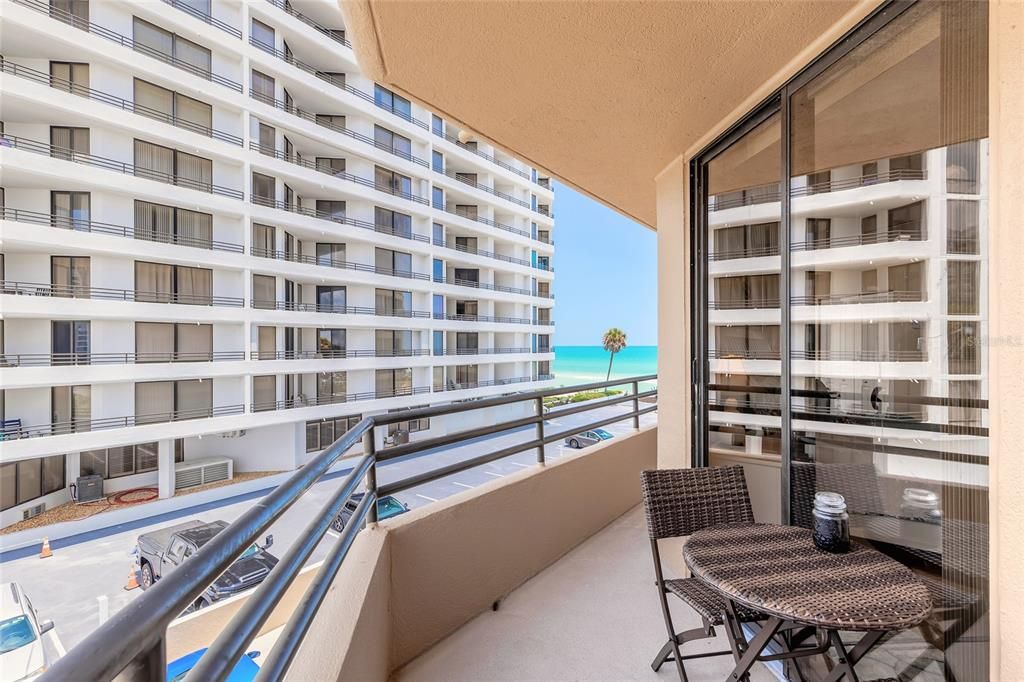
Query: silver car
(582, 440)
(22, 654)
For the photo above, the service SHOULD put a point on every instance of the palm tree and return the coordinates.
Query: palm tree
(613, 341)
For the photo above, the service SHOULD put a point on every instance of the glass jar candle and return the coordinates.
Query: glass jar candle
(921, 519)
(831, 523)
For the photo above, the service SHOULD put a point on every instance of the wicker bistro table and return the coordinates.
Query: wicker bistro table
(778, 571)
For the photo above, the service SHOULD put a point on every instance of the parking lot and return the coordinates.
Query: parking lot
(70, 586)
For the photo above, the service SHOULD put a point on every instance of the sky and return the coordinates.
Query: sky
(606, 273)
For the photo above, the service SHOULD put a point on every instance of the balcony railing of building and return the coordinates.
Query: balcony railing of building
(861, 297)
(461, 177)
(450, 244)
(123, 40)
(457, 317)
(486, 383)
(860, 181)
(297, 160)
(745, 304)
(290, 108)
(96, 227)
(296, 306)
(105, 294)
(544, 209)
(336, 354)
(886, 355)
(336, 399)
(18, 432)
(73, 156)
(487, 157)
(487, 351)
(544, 377)
(473, 284)
(913, 234)
(190, 9)
(750, 252)
(335, 34)
(87, 358)
(761, 194)
(134, 639)
(121, 103)
(334, 218)
(486, 221)
(328, 262)
(744, 354)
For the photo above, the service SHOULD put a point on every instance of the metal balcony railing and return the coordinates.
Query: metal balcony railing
(290, 108)
(465, 386)
(461, 177)
(486, 351)
(744, 354)
(327, 262)
(297, 160)
(901, 235)
(761, 194)
(336, 218)
(74, 156)
(750, 252)
(473, 284)
(859, 181)
(123, 40)
(104, 423)
(118, 102)
(296, 306)
(335, 34)
(105, 294)
(336, 399)
(545, 377)
(487, 157)
(451, 244)
(94, 226)
(87, 358)
(486, 221)
(862, 355)
(744, 304)
(134, 639)
(457, 317)
(336, 354)
(861, 297)
(203, 17)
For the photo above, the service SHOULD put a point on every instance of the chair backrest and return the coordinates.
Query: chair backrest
(680, 502)
(856, 482)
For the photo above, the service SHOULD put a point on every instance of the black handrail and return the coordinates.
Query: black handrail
(74, 156)
(460, 177)
(123, 40)
(488, 351)
(11, 287)
(335, 399)
(335, 34)
(860, 297)
(457, 317)
(87, 225)
(486, 221)
(335, 354)
(335, 218)
(134, 639)
(484, 384)
(127, 421)
(87, 358)
(203, 17)
(64, 85)
(473, 150)
(859, 181)
(330, 262)
(915, 234)
(296, 306)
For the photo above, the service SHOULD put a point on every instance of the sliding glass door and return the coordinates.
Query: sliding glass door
(840, 316)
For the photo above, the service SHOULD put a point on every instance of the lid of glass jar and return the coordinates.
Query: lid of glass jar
(920, 496)
(831, 502)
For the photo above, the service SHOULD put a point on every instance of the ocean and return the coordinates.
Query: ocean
(583, 364)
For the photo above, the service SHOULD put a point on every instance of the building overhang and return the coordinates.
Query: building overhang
(603, 95)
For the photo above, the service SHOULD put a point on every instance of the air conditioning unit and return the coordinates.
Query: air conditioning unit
(32, 512)
(202, 471)
(233, 434)
(88, 488)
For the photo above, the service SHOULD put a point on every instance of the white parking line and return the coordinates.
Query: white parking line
(494, 473)
(462, 485)
(428, 499)
(520, 464)
(333, 534)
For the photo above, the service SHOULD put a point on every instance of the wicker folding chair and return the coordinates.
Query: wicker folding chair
(678, 503)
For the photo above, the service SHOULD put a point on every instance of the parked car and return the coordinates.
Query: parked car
(244, 671)
(582, 440)
(162, 551)
(22, 653)
(387, 507)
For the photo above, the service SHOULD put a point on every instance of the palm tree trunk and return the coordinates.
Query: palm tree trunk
(611, 356)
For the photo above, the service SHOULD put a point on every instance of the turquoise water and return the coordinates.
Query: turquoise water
(583, 364)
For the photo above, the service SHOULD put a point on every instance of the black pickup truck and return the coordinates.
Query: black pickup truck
(162, 551)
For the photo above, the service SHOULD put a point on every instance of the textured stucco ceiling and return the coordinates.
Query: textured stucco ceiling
(603, 94)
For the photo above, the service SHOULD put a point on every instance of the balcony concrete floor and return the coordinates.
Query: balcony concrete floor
(592, 615)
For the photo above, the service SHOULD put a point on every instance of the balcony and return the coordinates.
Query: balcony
(14, 430)
(335, 34)
(336, 399)
(298, 306)
(190, 9)
(334, 217)
(12, 288)
(347, 354)
(87, 358)
(472, 149)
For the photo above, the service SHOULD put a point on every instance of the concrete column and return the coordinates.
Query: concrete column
(165, 468)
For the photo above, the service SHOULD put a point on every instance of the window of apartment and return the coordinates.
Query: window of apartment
(467, 342)
(70, 210)
(163, 283)
(29, 479)
(331, 343)
(391, 182)
(438, 342)
(963, 287)
(330, 254)
(321, 433)
(66, 142)
(264, 189)
(438, 379)
(166, 46)
(906, 220)
(907, 278)
(868, 228)
(330, 165)
(331, 387)
(70, 275)
(169, 341)
(161, 401)
(170, 165)
(411, 426)
(333, 121)
(70, 76)
(392, 302)
(962, 394)
(169, 224)
(747, 291)
(264, 291)
(543, 343)
(962, 163)
(467, 309)
(437, 124)
(71, 408)
(818, 232)
(470, 276)
(393, 382)
(385, 99)
(263, 35)
(173, 107)
(392, 222)
(267, 136)
(393, 342)
(438, 306)
(391, 141)
(907, 162)
(119, 461)
(264, 392)
(331, 299)
(437, 198)
(438, 270)
(74, 12)
(466, 244)
(466, 376)
(263, 240)
(261, 87)
(437, 161)
(468, 211)
(330, 210)
(962, 226)
(389, 262)
(70, 341)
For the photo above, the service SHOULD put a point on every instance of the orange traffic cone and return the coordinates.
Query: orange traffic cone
(45, 552)
(132, 582)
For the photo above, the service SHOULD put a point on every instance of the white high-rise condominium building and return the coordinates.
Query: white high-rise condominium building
(223, 244)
